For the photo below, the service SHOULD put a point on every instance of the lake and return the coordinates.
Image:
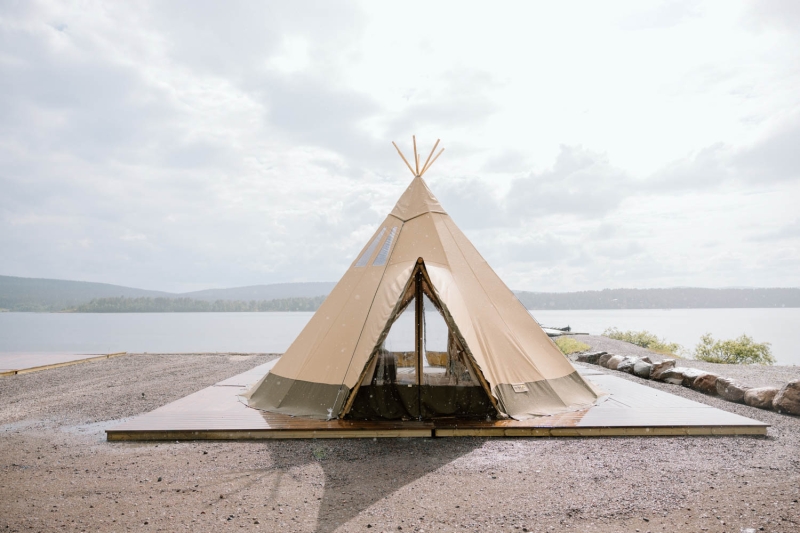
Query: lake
(780, 327)
(273, 332)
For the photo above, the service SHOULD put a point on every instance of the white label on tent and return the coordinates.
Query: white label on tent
(520, 387)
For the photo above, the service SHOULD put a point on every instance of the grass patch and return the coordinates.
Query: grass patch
(645, 339)
(568, 345)
(740, 351)
(319, 453)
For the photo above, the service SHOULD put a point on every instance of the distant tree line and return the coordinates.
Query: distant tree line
(23, 306)
(190, 305)
(677, 298)
(52, 295)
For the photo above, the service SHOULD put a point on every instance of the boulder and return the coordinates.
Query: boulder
(647, 359)
(627, 364)
(660, 368)
(603, 360)
(672, 375)
(706, 383)
(760, 397)
(590, 357)
(681, 375)
(788, 398)
(642, 369)
(614, 362)
(731, 390)
(691, 374)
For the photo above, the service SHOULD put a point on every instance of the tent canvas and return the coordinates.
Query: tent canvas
(498, 361)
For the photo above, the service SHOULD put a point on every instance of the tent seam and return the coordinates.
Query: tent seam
(419, 215)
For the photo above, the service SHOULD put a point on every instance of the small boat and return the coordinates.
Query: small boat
(557, 332)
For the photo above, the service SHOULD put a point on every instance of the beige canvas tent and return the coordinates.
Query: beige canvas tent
(494, 360)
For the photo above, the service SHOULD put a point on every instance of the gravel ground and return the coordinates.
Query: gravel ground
(57, 473)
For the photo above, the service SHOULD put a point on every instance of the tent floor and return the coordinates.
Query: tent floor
(23, 363)
(216, 413)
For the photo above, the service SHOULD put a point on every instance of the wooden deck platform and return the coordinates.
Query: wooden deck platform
(216, 413)
(23, 363)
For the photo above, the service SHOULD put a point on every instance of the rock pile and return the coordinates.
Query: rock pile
(783, 400)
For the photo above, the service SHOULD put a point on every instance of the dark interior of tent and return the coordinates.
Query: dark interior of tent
(420, 369)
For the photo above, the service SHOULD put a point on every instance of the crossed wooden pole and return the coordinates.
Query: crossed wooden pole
(428, 163)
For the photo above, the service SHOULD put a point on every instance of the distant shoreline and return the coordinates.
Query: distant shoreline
(77, 312)
(49, 295)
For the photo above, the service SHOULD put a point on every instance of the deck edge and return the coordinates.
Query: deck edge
(652, 431)
(262, 434)
(62, 364)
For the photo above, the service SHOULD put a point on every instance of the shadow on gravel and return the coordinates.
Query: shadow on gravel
(363, 472)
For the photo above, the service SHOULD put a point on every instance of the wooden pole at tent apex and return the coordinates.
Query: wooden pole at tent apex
(429, 165)
(430, 155)
(404, 159)
(417, 171)
(416, 155)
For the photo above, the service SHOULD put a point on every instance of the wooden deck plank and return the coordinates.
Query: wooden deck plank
(218, 413)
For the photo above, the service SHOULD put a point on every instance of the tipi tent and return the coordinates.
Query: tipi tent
(496, 361)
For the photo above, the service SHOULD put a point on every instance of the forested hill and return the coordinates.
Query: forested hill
(189, 305)
(675, 298)
(33, 294)
(38, 294)
(273, 291)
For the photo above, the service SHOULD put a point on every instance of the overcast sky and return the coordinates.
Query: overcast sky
(189, 145)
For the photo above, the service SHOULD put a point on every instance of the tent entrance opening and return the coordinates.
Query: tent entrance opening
(420, 370)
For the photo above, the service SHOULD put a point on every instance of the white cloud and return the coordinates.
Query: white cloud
(182, 145)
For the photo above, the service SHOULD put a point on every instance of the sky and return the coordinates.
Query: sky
(588, 145)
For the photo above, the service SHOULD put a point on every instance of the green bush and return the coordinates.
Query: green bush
(645, 339)
(740, 351)
(568, 345)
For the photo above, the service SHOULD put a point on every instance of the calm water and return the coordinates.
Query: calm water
(273, 332)
(780, 327)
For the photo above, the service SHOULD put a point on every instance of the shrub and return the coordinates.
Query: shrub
(568, 345)
(740, 351)
(645, 339)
